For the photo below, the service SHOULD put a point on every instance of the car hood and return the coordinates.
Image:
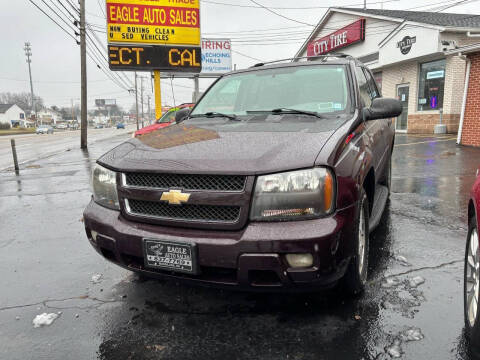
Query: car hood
(185, 148)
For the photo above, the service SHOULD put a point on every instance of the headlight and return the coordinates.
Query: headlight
(104, 184)
(294, 195)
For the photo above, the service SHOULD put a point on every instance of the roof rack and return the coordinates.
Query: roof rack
(309, 58)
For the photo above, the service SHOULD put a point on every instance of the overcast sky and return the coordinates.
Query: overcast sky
(56, 56)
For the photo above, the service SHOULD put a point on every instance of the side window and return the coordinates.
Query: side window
(372, 85)
(364, 89)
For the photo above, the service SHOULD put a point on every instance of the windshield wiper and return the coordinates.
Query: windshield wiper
(213, 114)
(288, 111)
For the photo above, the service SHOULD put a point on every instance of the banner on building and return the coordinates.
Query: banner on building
(216, 56)
(341, 38)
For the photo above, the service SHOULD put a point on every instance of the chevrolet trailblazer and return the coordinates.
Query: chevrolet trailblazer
(272, 182)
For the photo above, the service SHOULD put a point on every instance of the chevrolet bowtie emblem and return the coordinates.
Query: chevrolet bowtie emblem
(175, 197)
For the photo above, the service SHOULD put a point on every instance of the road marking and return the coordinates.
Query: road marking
(426, 142)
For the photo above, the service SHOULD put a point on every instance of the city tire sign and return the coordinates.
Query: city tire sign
(346, 36)
(405, 45)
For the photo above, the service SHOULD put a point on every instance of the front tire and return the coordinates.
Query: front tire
(471, 284)
(357, 272)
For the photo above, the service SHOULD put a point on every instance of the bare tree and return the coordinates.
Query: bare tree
(23, 100)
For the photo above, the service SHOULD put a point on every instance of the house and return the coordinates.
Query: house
(408, 53)
(12, 114)
(469, 131)
(49, 117)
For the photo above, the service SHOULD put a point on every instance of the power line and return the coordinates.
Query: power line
(51, 82)
(101, 8)
(60, 26)
(290, 8)
(68, 11)
(77, 10)
(278, 14)
(247, 56)
(59, 16)
(122, 80)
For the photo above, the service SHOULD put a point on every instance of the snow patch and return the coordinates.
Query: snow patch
(44, 319)
(395, 350)
(96, 278)
(391, 282)
(402, 260)
(416, 281)
(413, 334)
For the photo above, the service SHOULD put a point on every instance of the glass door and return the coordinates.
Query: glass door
(402, 120)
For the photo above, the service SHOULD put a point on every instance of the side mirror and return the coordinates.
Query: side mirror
(383, 108)
(181, 115)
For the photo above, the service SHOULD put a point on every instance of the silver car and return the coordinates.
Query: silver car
(44, 129)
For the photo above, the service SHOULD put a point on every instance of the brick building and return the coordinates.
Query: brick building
(412, 55)
(469, 131)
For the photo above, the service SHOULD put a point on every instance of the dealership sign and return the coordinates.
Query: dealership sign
(344, 37)
(149, 35)
(216, 56)
(166, 58)
(154, 21)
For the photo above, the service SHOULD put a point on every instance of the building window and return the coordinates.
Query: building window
(431, 85)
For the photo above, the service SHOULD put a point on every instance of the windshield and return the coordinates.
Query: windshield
(168, 117)
(319, 89)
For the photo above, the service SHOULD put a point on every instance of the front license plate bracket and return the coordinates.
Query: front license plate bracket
(178, 257)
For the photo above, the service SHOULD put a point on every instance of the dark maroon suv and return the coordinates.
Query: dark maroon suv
(273, 181)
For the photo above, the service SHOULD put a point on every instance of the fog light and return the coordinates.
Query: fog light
(300, 260)
(94, 235)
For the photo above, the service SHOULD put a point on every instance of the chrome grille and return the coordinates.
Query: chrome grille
(186, 212)
(186, 182)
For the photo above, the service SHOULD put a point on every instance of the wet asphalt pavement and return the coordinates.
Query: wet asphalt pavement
(413, 305)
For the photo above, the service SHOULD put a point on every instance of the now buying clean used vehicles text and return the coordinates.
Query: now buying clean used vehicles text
(272, 182)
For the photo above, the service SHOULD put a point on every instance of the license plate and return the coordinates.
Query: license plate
(178, 257)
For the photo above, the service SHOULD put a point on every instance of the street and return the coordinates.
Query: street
(412, 307)
(34, 146)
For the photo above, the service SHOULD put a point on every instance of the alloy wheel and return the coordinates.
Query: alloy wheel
(472, 280)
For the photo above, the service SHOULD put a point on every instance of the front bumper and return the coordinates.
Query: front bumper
(248, 259)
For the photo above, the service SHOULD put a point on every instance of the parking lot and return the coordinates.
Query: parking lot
(412, 308)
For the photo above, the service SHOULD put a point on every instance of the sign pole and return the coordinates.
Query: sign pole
(158, 95)
(197, 88)
(136, 100)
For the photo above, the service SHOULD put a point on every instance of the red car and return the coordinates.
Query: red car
(472, 267)
(167, 119)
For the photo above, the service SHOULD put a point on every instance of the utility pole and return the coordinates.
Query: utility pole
(364, 4)
(136, 99)
(73, 114)
(83, 60)
(141, 99)
(197, 88)
(28, 53)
